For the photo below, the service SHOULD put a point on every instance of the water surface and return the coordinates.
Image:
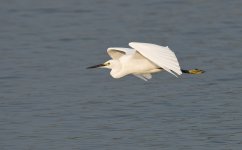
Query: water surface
(48, 100)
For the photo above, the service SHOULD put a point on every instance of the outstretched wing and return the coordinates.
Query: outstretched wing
(161, 56)
(117, 52)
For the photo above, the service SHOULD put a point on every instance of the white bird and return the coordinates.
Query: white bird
(142, 60)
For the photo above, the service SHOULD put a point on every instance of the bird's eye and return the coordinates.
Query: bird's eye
(108, 63)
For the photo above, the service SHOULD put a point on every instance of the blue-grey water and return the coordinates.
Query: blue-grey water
(48, 100)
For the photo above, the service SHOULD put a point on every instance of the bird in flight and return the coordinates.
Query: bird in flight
(141, 60)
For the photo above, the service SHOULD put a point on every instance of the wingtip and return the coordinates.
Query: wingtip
(138, 44)
(132, 43)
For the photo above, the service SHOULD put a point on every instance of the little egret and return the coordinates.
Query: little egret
(142, 60)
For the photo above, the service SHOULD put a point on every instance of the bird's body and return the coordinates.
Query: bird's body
(142, 60)
(129, 64)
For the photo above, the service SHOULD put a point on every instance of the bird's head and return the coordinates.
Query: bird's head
(110, 64)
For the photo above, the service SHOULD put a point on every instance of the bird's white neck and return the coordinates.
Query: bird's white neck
(116, 71)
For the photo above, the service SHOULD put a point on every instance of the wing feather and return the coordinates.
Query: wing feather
(161, 56)
(144, 77)
(117, 52)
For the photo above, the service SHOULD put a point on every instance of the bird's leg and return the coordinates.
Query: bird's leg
(193, 71)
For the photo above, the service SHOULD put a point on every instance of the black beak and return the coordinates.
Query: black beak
(96, 66)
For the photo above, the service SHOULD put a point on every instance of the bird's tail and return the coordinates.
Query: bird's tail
(193, 71)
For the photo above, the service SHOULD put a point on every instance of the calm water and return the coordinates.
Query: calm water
(48, 100)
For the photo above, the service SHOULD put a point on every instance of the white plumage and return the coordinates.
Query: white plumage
(159, 55)
(142, 60)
